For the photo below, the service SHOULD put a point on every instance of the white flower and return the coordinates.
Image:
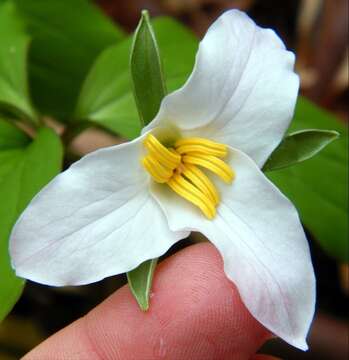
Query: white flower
(105, 215)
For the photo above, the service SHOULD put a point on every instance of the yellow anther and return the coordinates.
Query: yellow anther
(154, 170)
(201, 181)
(164, 172)
(217, 166)
(202, 142)
(165, 161)
(188, 191)
(155, 146)
(178, 168)
(187, 149)
(181, 180)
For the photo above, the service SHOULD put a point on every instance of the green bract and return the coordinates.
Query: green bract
(148, 81)
(106, 97)
(299, 146)
(140, 281)
(318, 187)
(148, 89)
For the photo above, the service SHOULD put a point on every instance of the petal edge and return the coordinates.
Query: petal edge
(92, 221)
(264, 249)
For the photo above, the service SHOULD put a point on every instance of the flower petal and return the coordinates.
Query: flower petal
(94, 220)
(261, 240)
(242, 91)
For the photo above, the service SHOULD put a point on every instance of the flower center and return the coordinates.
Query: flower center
(179, 168)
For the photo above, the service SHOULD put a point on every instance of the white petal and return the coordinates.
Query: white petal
(261, 240)
(94, 220)
(242, 90)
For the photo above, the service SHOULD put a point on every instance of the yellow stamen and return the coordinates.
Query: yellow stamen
(153, 171)
(159, 156)
(178, 168)
(183, 188)
(217, 166)
(201, 181)
(163, 171)
(187, 149)
(202, 142)
(154, 145)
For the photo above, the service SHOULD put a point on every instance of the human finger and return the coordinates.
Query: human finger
(195, 313)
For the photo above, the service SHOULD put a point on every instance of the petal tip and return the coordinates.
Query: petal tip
(300, 344)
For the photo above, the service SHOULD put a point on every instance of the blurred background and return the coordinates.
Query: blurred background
(317, 30)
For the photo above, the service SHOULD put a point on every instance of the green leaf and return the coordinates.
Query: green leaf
(25, 167)
(106, 97)
(67, 37)
(146, 71)
(140, 280)
(299, 146)
(14, 94)
(149, 89)
(318, 187)
(11, 137)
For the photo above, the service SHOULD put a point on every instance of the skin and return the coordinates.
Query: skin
(196, 313)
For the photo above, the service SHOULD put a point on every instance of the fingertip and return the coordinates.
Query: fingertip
(195, 312)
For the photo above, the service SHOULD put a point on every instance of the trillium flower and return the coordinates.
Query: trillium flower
(196, 167)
